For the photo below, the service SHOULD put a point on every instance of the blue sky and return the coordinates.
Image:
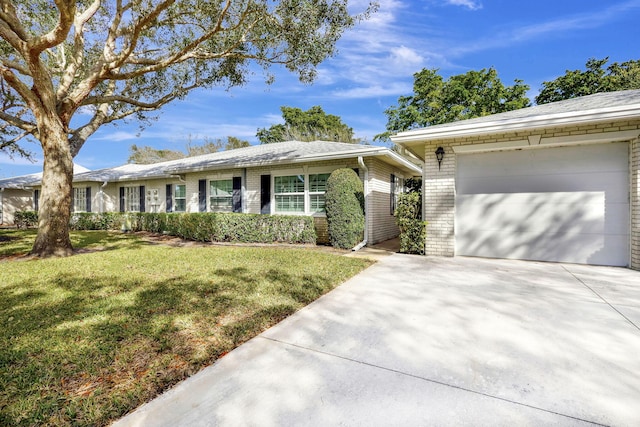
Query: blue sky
(529, 40)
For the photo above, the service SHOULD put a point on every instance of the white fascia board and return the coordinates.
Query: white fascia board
(536, 141)
(371, 151)
(500, 126)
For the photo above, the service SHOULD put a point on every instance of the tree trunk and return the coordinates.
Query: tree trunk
(55, 197)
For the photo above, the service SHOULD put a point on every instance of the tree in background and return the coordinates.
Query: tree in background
(464, 96)
(311, 125)
(596, 78)
(111, 60)
(145, 155)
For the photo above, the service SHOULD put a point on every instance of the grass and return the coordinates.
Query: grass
(86, 339)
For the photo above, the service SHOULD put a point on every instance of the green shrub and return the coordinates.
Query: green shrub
(345, 208)
(409, 219)
(26, 219)
(205, 227)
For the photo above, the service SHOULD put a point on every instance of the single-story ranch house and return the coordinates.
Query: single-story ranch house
(16, 194)
(553, 182)
(284, 178)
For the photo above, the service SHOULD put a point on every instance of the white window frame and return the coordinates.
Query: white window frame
(228, 197)
(306, 173)
(177, 198)
(397, 189)
(316, 193)
(132, 198)
(79, 199)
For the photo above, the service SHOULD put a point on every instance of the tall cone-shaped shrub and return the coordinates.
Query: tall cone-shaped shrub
(345, 208)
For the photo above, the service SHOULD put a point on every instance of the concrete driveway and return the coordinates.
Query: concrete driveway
(434, 341)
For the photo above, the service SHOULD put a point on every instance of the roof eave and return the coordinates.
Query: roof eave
(369, 152)
(415, 137)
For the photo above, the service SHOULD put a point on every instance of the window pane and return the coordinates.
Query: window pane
(79, 199)
(289, 184)
(318, 183)
(180, 205)
(132, 199)
(289, 203)
(317, 203)
(221, 204)
(221, 188)
(181, 191)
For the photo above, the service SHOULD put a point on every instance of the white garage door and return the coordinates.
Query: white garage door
(566, 204)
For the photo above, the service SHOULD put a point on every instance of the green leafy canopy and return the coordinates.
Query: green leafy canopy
(311, 125)
(464, 96)
(594, 79)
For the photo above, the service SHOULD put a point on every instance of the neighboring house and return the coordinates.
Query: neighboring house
(20, 193)
(284, 178)
(16, 195)
(554, 182)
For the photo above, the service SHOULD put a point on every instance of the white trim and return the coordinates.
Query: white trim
(491, 146)
(536, 141)
(476, 127)
(305, 172)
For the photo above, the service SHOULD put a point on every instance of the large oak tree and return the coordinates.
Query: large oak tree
(69, 67)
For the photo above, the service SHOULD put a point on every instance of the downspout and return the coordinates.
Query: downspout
(366, 205)
(102, 196)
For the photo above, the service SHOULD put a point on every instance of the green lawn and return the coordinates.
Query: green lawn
(86, 339)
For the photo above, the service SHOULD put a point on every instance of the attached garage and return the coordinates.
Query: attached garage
(567, 204)
(555, 182)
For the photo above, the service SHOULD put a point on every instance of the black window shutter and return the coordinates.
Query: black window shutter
(237, 194)
(88, 199)
(142, 198)
(36, 200)
(357, 171)
(265, 194)
(169, 198)
(202, 195)
(392, 194)
(121, 199)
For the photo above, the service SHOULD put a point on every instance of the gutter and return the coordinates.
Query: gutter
(513, 124)
(366, 205)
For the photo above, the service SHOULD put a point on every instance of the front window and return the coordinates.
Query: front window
(180, 198)
(289, 193)
(317, 188)
(132, 199)
(79, 199)
(221, 195)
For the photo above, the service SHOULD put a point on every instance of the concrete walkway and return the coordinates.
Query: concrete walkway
(434, 341)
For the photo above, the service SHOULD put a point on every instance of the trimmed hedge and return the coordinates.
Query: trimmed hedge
(413, 230)
(26, 219)
(205, 227)
(344, 203)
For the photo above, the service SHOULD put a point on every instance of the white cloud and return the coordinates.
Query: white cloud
(469, 4)
(555, 27)
(406, 56)
(115, 136)
(373, 91)
(16, 160)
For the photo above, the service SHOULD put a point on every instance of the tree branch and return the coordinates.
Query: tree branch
(67, 9)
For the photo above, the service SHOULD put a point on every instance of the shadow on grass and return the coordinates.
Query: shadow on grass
(85, 348)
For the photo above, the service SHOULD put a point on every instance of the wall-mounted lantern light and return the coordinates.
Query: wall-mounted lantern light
(439, 156)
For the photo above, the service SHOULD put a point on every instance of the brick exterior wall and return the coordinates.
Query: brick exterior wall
(635, 204)
(439, 185)
(381, 222)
